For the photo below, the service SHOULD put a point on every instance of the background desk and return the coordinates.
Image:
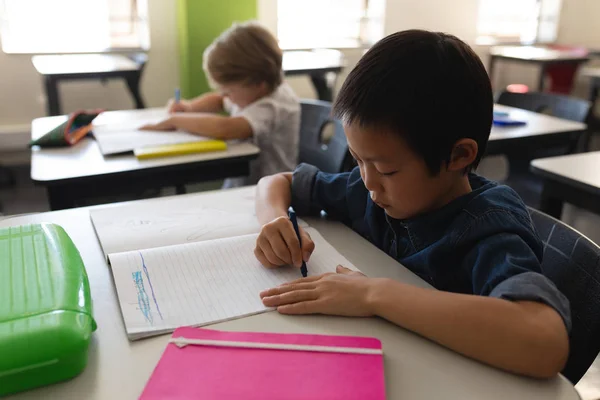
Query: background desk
(574, 178)
(415, 368)
(540, 55)
(55, 69)
(71, 174)
(317, 64)
(539, 132)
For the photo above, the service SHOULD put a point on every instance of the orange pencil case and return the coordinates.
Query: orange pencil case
(69, 132)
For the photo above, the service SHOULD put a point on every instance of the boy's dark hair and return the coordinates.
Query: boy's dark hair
(429, 87)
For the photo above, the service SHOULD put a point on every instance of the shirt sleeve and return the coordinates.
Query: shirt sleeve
(229, 107)
(261, 116)
(505, 266)
(339, 195)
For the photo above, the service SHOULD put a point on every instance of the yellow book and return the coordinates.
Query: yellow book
(168, 150)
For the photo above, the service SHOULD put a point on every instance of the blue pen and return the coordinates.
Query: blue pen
(177, 95)
(292, 215)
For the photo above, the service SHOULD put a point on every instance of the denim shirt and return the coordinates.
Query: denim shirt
(481, 243)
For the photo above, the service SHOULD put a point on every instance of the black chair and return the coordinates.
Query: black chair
(329, 154)
(560, 106)
(572, 262)
(7, 180)
(524, 182)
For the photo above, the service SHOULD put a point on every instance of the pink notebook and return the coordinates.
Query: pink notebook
(293, 367)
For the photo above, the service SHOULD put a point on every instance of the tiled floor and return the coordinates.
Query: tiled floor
(27, 198)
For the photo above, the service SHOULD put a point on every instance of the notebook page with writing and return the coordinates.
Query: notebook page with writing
(201, 283)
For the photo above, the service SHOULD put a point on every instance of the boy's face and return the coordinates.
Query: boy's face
(243, 95)
(397, 177)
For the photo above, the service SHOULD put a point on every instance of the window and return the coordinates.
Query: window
(524, 21)
(73, 26)
(310, 24)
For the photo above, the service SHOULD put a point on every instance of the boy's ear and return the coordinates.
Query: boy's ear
(463, 154)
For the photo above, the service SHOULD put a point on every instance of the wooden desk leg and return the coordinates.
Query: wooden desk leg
(550, 204)
(133, 83)
(52, 99)
(324, 92)
(59, 198)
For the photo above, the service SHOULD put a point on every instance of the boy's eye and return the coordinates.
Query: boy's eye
(388, 173)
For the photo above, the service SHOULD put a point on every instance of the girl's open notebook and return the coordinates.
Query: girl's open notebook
(242, 365)
(201, 283)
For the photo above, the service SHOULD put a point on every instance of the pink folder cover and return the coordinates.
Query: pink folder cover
(210, 372)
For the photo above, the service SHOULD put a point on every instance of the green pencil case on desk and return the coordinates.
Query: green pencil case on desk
(46, 318)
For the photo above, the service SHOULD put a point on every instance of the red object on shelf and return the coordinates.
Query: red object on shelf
(517, 88)
(562, 76)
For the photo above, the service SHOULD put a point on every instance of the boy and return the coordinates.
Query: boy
(417, 112)
(244, 65)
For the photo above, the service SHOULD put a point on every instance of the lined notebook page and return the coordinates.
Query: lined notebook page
(201, 283)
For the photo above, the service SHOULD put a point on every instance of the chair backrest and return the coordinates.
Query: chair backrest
(329, 154)
(572, 262)
(560, 106)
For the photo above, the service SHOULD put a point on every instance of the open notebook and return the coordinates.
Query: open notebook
(118, 137)
(176, 262)
(196, 284)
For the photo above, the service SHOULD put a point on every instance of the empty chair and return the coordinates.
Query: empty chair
(322, 139)
(572, 262)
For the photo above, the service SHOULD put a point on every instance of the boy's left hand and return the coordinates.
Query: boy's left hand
(344, 293)
(165, 125)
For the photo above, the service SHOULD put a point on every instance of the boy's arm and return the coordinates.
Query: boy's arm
(517, 320)
(209, 103)
(207, 125)
(273, 197)
(309, 191)
(523, 337)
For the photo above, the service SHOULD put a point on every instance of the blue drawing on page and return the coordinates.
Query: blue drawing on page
(150, 283)
(143, 301)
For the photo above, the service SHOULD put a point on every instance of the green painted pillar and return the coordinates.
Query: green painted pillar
(199, 23)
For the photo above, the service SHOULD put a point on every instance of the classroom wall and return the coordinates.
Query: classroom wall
(22, 97)
(580, 26)
(580, 23)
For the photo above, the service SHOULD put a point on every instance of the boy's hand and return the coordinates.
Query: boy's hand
(165, 125)
(344, 293)
(278, 244)
(177, 106)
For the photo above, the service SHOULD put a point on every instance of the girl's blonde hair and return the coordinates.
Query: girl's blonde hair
(246, 53)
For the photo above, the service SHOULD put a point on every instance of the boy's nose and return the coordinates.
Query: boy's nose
(375, 197)
(370, 180)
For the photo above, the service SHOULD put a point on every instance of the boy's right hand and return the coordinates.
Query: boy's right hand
(180, 106)
(278, 245)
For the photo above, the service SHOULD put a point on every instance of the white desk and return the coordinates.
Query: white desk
(55, 69)
(540, 131)
(573, 178)
(80, 171)
(415, 368)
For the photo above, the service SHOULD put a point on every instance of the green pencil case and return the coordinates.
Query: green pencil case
(46, 318)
